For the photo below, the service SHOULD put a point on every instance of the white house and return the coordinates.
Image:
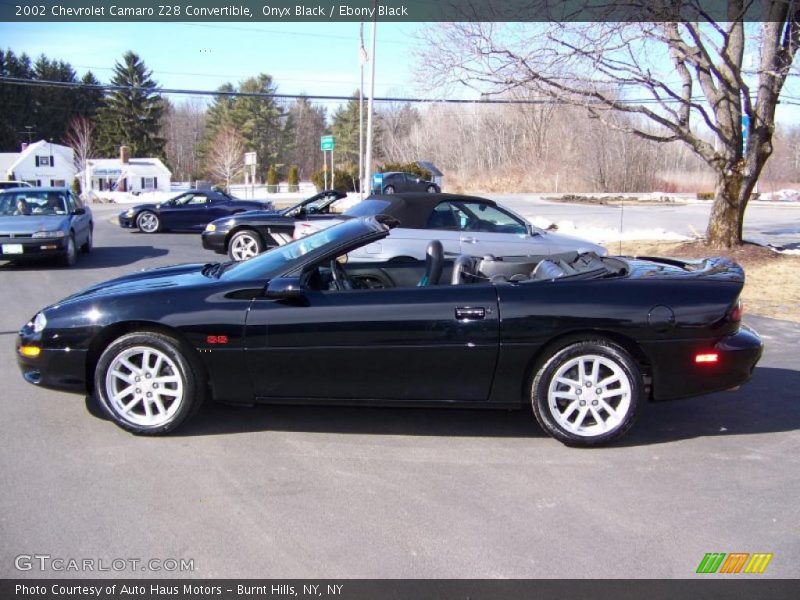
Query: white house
(40, 164)
(125, 174)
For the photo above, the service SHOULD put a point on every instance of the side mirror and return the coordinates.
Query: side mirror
(284, 288)
(311, 210)
(80, 211)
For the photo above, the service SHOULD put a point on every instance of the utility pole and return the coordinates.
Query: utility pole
(363, 58)
(368, 161)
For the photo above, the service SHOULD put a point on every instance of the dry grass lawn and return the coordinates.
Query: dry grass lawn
(772, 280)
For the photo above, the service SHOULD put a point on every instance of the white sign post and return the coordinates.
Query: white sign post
(251, 160)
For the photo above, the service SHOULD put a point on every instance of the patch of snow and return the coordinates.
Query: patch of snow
(604, 235)
(787, 195)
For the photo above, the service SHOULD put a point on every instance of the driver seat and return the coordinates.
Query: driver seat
(434, 263)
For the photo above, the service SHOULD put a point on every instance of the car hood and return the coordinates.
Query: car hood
(140, 207)
(151, 279)
(33, 223)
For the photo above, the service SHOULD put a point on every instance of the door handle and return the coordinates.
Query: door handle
(469, 240)
(471, 313)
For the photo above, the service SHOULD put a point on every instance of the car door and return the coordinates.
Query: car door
(195, 214)
(402, 344)
(488, 229)
(80, 223)
(218, 206)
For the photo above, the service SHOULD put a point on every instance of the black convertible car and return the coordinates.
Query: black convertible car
(190, 211)
(585, 339)
(245, 235)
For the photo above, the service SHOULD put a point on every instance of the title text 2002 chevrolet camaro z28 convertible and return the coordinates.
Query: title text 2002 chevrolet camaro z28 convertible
(585, 339)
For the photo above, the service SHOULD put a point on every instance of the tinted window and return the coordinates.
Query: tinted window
(443, 217)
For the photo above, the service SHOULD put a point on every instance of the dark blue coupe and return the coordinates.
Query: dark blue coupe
(190, 211)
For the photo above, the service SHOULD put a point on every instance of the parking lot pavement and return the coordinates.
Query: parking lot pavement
(365, 492)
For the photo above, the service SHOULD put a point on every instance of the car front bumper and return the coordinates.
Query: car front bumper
(214, 240)
(58, 369)
(22, 248)
(677, 375)
(128, 222)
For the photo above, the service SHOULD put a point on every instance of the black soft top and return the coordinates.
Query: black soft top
(412, 209)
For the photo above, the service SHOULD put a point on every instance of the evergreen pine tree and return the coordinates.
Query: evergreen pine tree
(131, 116)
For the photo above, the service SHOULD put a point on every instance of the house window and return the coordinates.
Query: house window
(44, 161)
(58, 183)
(148, 183)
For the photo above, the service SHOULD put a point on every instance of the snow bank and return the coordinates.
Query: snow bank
(604, 235)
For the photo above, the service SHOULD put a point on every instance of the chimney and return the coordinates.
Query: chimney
(124, 154)
(23, 147)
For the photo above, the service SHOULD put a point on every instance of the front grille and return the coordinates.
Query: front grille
(16, 236)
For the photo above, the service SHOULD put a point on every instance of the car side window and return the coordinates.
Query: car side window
(476, 216)
(199, 199)
(443, 217)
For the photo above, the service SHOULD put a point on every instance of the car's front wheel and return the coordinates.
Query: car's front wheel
(146, 383)
(245, 244)
(89, 243)
(148, 222)
(389, 189)
(587, 393)
(432, 189)
(70, 256)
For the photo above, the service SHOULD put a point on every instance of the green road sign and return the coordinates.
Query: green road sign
(326, 142)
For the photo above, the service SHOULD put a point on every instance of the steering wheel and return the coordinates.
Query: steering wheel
(340, 277)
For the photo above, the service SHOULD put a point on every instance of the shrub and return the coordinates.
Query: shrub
(272, 179)
(293, 179)
(406, 168)
(346, 180)
(76, 186)
(705, 195)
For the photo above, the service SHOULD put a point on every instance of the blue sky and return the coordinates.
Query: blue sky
(301, 57)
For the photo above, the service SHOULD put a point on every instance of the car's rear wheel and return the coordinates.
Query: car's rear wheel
(89, 243)
(147, 383)
(148, 222)
(70, 256)
(587, 393)
(245, 244)
(389, 189)
(432, 189)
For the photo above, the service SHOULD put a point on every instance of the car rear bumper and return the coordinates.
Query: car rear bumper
(57, 369)
(214, 240)
(31, 248)
(676, 374)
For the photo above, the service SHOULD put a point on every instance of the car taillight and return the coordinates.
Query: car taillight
(706, 358)
(737, 311)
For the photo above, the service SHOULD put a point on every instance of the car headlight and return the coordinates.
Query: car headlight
(49, 234)
(130, 212)
(39, 322)
(211, 227)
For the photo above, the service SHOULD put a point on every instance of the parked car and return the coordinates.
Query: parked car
(43, 222)
(464, 225)
(396, 181)
(244, 235)
(190, 211)
(587, 340)
(7, 184)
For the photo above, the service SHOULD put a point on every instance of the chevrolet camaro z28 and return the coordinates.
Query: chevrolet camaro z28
(586, 340)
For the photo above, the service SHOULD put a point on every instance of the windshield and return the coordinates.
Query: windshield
(25, 203)
(367, 208)
(278, 260)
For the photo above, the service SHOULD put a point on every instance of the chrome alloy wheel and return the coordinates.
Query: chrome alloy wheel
(589, 395)
(244, 246)
(144, 386)
(147, 222)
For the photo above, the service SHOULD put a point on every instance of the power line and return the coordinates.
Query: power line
(328, 97)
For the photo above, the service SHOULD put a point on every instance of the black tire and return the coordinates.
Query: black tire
(89, 243)
(593, 424)
(389, 189)
(432, 189)
(148, 222)
(177, 363)
(245, 238)
(70, 256)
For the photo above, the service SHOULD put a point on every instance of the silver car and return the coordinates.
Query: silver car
(464, 224)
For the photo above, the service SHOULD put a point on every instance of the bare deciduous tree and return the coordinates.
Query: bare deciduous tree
(79, 137)
(225, 160)
(680, 79)
(182, 128)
